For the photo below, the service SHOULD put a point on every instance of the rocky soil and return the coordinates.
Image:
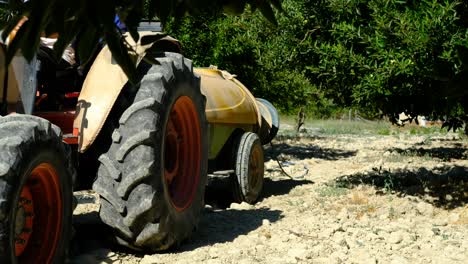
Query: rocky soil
(351, 199)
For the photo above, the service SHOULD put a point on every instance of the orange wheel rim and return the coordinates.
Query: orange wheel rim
(182, 153)
(38, 216)
(256, 166)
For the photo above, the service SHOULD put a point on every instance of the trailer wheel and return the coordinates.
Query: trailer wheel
(35, 191)
(249, 168)
(152, 179)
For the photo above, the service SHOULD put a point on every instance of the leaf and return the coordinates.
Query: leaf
(277, 5)
(179, 11)
(145, 40)
(151, 60)
(35, 27)
(162, 8)
(133, 19)
(16, 42)
(267, 12)
(87, 44)
(10, 26)
(121, 55)
(234, 7)
(66, 36)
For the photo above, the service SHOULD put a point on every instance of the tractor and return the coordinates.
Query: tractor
(147, 148)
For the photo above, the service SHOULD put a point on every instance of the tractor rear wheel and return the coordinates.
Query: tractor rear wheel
(35, 191)
(248, 167)
(152, 179)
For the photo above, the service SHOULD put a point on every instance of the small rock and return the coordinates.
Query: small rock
(299, 253)
(337, 237)
(454, 217)
(415, 247)
(241, 206)
(383, 216)
(361, 256)
(338, 257)
(448, 197)
(440, 222)
(395, 238)
(292, 237)
(338, 228)
(213, 252)
(424, 209)
(265, 222)
(343, 243)
(234, 251)
(372, 237)
(326, 233)
(260, 248)
(343, 215)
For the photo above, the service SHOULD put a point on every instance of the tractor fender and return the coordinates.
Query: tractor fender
(100, 90)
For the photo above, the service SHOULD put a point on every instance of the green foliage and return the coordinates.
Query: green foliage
(263, 57)
(382, 57)
(388, 56)
(91, 20)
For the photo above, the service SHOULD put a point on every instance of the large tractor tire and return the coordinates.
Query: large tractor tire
(152, 179)
(248, 167)
(36, 177)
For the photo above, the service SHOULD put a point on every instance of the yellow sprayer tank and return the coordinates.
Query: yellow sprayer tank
(228, 100)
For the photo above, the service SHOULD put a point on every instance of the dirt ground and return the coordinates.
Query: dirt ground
(352, 199)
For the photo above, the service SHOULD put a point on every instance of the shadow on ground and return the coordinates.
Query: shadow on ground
(219, 193)
(306, 151)
(221, 226)
(93, 242)
(92, 237)
(446, 187)
(443, 153)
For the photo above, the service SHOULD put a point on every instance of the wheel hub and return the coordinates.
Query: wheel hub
(24, 220)
(182, 153)
(255, 166)
(38, 221)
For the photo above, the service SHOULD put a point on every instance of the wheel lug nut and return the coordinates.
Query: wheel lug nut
(20, 241)
(26, 201)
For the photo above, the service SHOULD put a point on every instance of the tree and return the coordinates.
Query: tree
(94, 20)
(264, 57)
(388, 57)
(382, 57)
